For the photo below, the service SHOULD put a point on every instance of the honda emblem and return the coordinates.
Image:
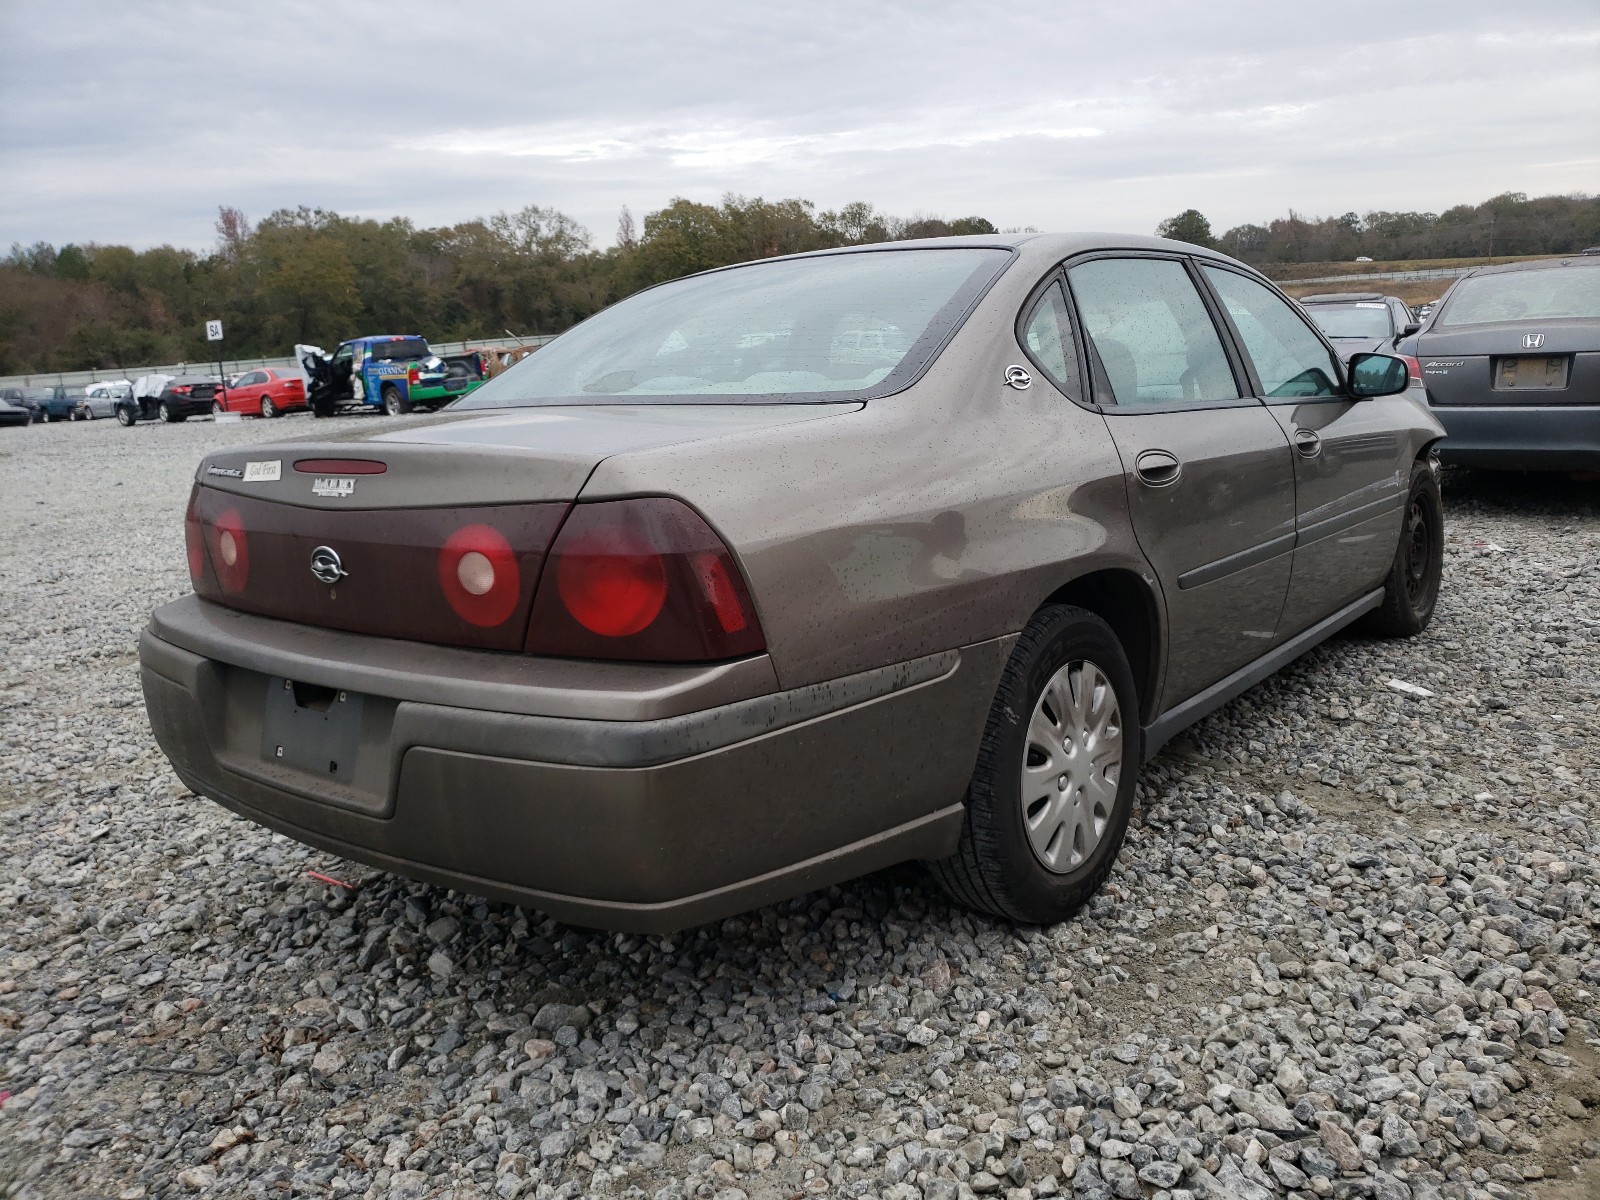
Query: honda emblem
(1532, 341)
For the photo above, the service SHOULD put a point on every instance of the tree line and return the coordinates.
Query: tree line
(309, 275)
(1507, 224)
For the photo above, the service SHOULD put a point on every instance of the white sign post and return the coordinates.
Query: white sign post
(214, 334)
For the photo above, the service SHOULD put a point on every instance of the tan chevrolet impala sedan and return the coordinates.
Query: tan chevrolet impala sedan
(785, 572)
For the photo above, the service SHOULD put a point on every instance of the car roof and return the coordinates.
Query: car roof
(1037, 250)
(1543, 264)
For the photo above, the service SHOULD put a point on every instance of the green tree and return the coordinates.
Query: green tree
(1188, 226)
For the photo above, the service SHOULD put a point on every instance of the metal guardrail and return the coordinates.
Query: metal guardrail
(1425, 273)
(234, 366)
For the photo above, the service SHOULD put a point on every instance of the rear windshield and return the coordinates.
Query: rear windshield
(39, 393)
(1361, 319)
(824, 328)
(399, 350)
(1525, 296)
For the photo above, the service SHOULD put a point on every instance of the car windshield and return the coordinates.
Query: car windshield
(808, 329)
(399, 350)
(1547, 294)
(1362, 319)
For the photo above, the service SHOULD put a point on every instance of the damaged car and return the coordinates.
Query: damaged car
(397, 373)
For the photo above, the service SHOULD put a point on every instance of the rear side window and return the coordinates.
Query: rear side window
(1048, 334)
(1152, 332)
(832, 327)
(1290, 360)
(400, 350)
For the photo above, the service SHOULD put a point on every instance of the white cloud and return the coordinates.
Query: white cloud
(1077, 115)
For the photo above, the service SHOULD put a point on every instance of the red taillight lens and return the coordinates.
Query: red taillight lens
(230, 551)
(194, 542)
(478, 572)
(181, 391)
(1413, 368)
(413, 373)
(646, 580)
(612, 581)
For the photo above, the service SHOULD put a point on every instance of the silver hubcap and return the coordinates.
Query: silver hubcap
(1071, 766)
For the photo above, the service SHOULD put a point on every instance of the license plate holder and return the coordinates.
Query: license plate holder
(1531, 373)
(312, 729)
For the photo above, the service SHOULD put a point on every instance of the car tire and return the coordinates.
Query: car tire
(268, 408)
(216, 408)
(1411, 589)
(394, 403)
(164, 413)
(1052, 792)
(125, 417)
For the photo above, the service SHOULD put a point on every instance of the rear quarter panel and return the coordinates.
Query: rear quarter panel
(938, 517)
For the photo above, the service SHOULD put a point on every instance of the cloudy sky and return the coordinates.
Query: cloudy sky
(131, 122)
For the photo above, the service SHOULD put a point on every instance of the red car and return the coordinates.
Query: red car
(267, 392)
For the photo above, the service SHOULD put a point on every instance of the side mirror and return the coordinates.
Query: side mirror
(1377, 375)
(1410, 328)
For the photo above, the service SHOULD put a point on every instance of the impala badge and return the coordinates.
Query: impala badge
(334, 487)
(326, 565)
(1532, 341)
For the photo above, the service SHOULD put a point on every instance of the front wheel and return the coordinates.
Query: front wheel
(394, 403)
(1411, 589)
(1049, 802)
(268, 409)
(216, 408)
(125, 417)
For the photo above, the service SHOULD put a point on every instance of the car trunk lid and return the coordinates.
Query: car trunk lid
(350, 532)
(1513, 363)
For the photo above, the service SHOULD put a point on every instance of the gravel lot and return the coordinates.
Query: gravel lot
(1352, 947)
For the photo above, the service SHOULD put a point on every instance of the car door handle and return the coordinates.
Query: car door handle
(1307, 442)
(1158, 468)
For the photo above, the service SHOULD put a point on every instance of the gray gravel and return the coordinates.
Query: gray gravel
(1352, 947)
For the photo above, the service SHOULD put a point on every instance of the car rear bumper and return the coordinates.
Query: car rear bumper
(670, 805)
(1521, 438)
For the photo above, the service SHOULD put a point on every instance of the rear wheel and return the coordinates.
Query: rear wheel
(165, 413)
(1411, 589)
(268, 409)
(394, 403)
(216, 408)
(1049, 802)
(125, 416)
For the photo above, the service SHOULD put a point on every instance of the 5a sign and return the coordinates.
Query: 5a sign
(213, 331)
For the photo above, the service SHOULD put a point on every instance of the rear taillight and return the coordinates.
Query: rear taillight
(1413, 368)
(646, 580)
(478, 572)
(230, 551)
(413, 373)
(194, 542)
